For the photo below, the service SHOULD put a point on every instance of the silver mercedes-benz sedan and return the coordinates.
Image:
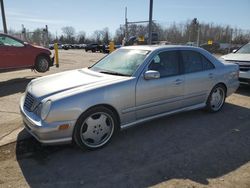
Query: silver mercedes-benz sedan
(130, 86)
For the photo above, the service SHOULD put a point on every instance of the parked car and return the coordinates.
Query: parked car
(132, 85)
(93, 47)
(51, 46)
(16, 54)
(106, 48)
(242, 58)
(191, 43)
(212, 48)
(60, 46)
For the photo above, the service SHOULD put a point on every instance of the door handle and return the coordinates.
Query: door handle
(178, 81)
(211, 75)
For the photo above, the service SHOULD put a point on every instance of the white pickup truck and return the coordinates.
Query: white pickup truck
(242, 58)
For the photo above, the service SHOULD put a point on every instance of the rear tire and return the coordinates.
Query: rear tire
(95, 128)
(42, 64)
(216, 98)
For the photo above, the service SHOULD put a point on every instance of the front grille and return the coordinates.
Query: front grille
(244, 66)
(29, 101)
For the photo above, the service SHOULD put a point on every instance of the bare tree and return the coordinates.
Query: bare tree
(69, 33)
(105, 35)
(81, 37)
(97, 36)
(119, 35)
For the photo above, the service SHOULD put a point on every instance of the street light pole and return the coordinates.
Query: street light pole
(150, 22)
(126, 25)
(3, 17)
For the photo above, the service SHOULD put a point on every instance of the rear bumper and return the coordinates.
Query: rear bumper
(232, 87)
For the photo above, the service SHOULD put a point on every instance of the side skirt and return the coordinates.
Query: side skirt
(194, 107)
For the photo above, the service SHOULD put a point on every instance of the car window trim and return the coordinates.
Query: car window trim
(13, 38)
(201, 55)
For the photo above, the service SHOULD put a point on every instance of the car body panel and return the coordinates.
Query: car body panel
(158, 96)
(134, 99)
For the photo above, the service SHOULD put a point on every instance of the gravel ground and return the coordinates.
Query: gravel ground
(193, 149)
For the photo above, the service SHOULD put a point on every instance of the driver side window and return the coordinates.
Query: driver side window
(166, 63)
(7, 41)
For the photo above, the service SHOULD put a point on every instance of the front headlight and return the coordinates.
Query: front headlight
(45, 109)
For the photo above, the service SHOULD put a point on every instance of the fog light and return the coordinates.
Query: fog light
(63, 127)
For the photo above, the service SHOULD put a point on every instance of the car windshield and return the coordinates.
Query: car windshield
(244, 49)
(123, 62)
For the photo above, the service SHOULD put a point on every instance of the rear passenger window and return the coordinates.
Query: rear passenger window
(195, 62)
(207, 64)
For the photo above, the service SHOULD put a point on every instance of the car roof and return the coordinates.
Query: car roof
(158, 47)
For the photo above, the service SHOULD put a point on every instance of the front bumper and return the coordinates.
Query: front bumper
(45, 133)
(52, 59)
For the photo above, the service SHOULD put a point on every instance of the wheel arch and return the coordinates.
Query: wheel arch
(108, 106)
(219, 83)
(42, 54)
(224, 85)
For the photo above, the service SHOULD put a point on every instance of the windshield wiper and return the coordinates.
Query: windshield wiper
(114, 73)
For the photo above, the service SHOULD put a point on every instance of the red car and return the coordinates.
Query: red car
(16, 54)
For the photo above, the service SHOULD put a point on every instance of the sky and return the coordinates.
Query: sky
(91, 15)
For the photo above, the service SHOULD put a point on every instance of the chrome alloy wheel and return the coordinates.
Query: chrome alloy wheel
(217, 98)
(97, 129)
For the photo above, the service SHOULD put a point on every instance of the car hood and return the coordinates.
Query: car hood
(236, 57)
(39, 47)
(69, 80)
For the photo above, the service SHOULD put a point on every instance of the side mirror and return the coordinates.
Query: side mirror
(151, 74)
(235, 50)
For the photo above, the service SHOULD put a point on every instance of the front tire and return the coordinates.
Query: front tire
(95, 128)
(42, 64)
(216, 98)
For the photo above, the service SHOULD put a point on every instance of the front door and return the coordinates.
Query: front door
(164, 94)
(13, 54)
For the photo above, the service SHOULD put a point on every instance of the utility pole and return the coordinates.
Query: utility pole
(3, 17)
(126, 25)
(150, 22)
(230, 42)
(198, 36)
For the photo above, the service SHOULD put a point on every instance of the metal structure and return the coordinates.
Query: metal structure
(150, 21)
(42, 39)
(3, 17)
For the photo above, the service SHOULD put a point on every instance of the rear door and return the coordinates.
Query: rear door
(199, 77)
(164, 94)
